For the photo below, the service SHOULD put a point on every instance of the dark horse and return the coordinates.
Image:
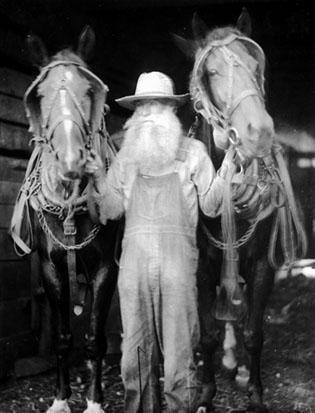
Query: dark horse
(257, 224)
(66, 106)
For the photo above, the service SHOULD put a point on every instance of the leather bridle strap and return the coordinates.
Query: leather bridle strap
(220, 119)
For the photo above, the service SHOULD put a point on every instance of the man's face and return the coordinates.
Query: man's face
(151, 107)
(152, 135)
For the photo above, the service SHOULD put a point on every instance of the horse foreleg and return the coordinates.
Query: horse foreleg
(96, 345)
(208, 341)
(58, 297)
(259, 289)
(229, 344)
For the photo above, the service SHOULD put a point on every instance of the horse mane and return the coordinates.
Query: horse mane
(68, 54)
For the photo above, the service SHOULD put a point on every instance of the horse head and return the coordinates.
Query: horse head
(65, 109)
(227, 86)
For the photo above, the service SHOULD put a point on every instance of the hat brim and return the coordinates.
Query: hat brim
(130, 102)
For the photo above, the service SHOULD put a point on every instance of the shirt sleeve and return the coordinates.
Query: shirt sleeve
(208, 183)
(110, 198)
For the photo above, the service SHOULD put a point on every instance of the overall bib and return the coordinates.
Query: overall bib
(157, 288)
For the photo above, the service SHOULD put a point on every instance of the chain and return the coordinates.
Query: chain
(44, 225)
(237, 244)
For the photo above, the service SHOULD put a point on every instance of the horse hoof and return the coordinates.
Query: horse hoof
(93, 407)
(59, 406)
(204, 409)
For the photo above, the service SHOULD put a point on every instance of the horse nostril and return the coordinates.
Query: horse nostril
(81, 153)
(57, 156)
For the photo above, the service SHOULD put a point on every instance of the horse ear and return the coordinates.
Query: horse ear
(199, 29)
(37, 50)
(244, 23)
(86, 43)
(188, 47)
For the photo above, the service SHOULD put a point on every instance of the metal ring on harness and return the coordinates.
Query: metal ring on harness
(233, 136)
(198, 105)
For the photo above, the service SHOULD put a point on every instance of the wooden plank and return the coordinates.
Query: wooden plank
(15, 317)
(7, 251)
(8, 192)
(13, 82)
(14, 137)
(15, 280)
(5, 216)
(12, 110)
(12, 169)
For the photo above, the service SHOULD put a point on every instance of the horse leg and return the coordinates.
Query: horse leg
(58, 297)
(96, 346)
(209, 340)
(229, 345)
(259, 288)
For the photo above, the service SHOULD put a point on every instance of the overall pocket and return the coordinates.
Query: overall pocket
(153, 201)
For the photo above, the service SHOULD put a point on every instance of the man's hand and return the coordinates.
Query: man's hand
(94, 165)
(95, 168)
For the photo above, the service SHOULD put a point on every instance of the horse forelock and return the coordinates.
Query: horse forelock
(69, 55)
(66, 55)
(220, 33)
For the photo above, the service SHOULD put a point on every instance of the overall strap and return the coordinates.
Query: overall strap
(182, 152)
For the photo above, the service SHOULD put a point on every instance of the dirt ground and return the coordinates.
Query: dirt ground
(288, 365)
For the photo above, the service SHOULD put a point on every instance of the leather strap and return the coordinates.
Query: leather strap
(70, 234)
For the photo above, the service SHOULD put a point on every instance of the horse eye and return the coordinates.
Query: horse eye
(213, 72)
(90, 91)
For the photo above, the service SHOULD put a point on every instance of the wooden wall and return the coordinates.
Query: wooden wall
(16, 306)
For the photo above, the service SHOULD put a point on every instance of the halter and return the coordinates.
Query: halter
(221, 120)
(41, 130)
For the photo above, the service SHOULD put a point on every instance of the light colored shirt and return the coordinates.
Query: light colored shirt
(199, 182)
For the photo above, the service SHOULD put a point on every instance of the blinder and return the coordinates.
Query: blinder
(98, 99)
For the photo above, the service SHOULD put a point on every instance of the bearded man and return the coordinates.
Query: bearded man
(157, 180)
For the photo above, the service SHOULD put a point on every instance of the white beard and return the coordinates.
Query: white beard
(151, 142)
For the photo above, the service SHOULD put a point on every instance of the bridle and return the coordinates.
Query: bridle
(43, 131)
(220, 120)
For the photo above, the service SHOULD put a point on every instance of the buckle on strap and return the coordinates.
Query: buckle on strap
(69, 227)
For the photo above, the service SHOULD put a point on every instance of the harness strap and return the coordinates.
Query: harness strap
(242, 96)
(76, 299)
(57, 122)
(287, 223)
(21, 204)
(183, 150)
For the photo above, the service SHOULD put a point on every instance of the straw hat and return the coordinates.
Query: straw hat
(153, 85)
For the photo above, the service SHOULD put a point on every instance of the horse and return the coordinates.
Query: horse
(66, 109)
(236, 267)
